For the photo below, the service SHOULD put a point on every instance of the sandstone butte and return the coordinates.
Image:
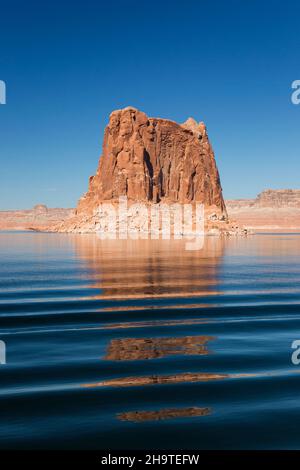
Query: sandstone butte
(153, 161)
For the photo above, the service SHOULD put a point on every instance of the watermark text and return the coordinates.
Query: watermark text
(2, 353)
(2, 92)
(296, 94)
(139, 220)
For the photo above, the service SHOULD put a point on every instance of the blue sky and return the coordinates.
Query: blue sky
(67, 65)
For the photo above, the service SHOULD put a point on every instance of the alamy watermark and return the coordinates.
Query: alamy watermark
(139, 220)
(2, 92)
(296, 354)
(296, 94)
(2, 353)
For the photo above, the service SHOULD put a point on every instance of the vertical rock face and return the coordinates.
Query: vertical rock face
(154, 160)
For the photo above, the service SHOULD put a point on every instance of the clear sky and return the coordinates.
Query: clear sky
(67, 65)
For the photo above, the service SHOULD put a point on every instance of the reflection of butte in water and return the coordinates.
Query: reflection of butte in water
(150, 268)
(185, 377)
(132, 349)
(139, 416)
(153, 268)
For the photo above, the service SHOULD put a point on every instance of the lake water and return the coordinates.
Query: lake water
(142, 344)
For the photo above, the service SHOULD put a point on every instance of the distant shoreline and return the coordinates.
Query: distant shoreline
(270, 211)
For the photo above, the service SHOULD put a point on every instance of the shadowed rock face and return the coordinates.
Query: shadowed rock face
(154, 160)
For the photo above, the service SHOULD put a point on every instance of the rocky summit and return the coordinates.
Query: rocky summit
(151, 161)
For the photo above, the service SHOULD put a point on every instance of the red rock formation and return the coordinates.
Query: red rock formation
(153, 160)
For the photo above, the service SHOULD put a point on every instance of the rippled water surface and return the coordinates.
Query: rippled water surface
(142, 344)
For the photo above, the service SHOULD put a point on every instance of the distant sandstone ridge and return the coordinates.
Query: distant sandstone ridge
(270, 210)
(39, 217)
(152, 161)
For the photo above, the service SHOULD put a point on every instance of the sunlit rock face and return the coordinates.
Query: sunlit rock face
(154, 160)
